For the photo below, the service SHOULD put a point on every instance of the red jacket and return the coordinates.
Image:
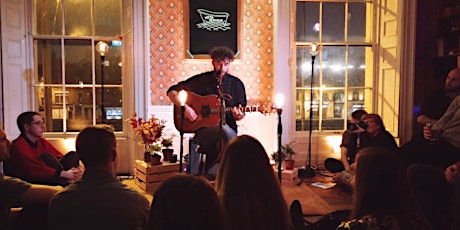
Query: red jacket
(25, 161)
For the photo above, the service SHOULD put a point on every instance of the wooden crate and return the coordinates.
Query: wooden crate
(149, 178)
(288, 177)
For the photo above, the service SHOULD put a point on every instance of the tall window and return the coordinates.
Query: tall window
(73, 86)
(342, 70)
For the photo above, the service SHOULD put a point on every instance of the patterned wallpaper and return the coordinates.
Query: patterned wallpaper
(168, 65)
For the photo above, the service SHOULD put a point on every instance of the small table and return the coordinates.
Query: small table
(288, 177)
(149, 178)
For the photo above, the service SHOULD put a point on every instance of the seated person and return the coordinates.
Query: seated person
(375, 135)
(381, 197)
(438, 102)
(431, 111)
(443, 146)
(349, 145)
(186, 202)
(213, 139)
(14, 192)
(432, 180)
(99, 200)
(34, 159)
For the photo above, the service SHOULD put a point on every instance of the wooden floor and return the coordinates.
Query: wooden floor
(337, 198)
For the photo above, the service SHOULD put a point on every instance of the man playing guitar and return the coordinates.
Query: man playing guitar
(228, 89)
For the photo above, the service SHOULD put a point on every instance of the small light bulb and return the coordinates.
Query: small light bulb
(279, 100)
(182, 97)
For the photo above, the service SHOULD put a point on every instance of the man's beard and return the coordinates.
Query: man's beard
(452, 89)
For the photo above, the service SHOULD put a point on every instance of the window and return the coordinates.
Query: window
(73, 86)
(342, 70)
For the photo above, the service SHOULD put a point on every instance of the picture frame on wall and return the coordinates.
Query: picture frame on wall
(210, 23)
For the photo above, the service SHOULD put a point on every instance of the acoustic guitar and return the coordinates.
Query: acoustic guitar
(206, 107)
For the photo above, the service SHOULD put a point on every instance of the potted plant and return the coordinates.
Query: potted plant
(275, 156)
(155, 157)
(167, 142)
(289, 151)
(286, 155)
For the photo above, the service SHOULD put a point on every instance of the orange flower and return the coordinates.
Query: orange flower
(149, 131)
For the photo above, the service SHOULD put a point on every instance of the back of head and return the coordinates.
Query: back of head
(222, 52)
(357, 114)
(380, 184)
(186, 202)
(95, 144)
(248, 188)
(25, 118)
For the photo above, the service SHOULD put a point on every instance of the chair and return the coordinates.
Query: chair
(195, 159)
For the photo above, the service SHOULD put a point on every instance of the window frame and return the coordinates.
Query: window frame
(126, 84)
(368, 44)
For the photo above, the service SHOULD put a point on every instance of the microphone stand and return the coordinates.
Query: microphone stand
(222, 113)
(221, 120)
(102, 90)
(309, 171)
(280, 131)
(181, 153)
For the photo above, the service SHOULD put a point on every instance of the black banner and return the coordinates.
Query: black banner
(212, 23)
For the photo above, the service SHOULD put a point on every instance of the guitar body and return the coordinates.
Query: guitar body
(207, 109)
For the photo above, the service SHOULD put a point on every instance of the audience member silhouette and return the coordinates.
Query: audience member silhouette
(35, 160)
(248, 188)
(99, 200)
(453, 174)
(375, 135)
(442, 147)
(381, 195)
(438, 102)
(15, 192)
(436, 193)
(431, 111)
(186, 202)
(349, 145)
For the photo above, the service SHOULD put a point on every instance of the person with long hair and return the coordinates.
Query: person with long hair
(248, 188)
(186, 202)
(381, 194)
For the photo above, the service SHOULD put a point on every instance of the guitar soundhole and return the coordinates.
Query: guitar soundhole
(205, 111)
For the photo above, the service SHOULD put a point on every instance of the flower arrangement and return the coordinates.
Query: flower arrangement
(149, 131)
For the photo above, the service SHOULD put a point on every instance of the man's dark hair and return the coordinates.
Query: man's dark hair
(94, 144)
(357, 114)
(222, 52)
(25, 118)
